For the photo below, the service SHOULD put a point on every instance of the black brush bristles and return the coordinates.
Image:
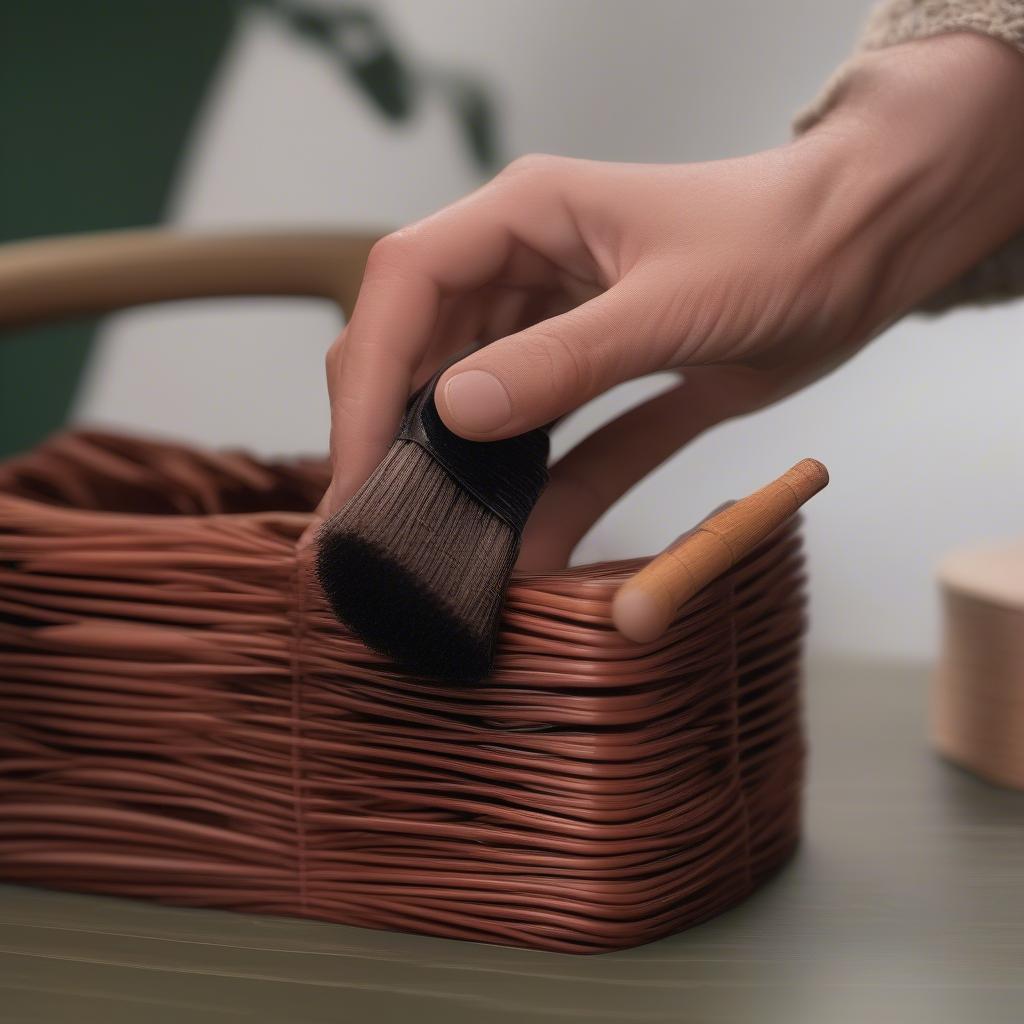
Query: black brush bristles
(417, 562)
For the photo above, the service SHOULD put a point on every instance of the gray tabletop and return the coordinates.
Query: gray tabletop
(906, 903)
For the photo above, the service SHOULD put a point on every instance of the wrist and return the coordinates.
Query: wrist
(923, 151)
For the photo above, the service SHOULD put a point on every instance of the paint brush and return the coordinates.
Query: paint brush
(416, 563)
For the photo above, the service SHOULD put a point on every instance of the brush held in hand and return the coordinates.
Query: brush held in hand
(417, 562)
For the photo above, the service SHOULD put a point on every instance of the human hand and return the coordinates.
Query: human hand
(752, 275)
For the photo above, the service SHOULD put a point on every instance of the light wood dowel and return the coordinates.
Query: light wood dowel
(56, 278)
(646, 604)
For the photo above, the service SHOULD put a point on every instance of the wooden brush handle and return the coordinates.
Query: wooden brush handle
(646, 604)
(52, 278)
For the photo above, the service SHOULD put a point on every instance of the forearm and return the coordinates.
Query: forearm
(932, 137)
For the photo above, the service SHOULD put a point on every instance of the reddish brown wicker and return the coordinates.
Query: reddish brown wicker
(181, 719)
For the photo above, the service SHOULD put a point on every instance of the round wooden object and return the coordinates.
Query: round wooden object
(978, 698)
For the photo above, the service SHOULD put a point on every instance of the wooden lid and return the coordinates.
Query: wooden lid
(992, 572)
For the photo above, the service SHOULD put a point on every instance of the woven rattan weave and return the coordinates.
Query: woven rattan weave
(181, 719)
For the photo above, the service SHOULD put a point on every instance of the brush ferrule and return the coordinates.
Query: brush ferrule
(506, 477)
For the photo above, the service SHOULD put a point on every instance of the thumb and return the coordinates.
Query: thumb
(531, 378)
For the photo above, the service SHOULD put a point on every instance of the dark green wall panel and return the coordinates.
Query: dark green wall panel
(96, 103)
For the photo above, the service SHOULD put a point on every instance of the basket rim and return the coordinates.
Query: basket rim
(596, 576)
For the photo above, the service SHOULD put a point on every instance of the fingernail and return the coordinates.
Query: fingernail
(477, 401)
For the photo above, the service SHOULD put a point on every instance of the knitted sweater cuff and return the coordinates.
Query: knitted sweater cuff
(1000, 275)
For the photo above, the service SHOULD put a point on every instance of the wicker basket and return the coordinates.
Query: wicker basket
(181, 719)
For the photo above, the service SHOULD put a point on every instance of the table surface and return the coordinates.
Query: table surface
(905, 903)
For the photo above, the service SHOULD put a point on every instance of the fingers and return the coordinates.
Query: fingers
(410, 278)
(595, 474)
(535, 376)
(588, 480)
(372, 366)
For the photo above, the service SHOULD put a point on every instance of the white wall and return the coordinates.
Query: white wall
(922, 432)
